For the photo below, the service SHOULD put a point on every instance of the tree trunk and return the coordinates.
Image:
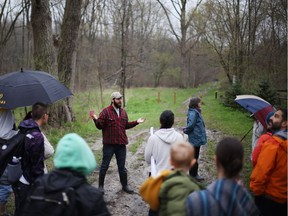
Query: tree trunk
(44, 53)
(67, 52)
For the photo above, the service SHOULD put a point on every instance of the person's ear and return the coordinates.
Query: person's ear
(284, 124)
(216, 160)
(171, 162)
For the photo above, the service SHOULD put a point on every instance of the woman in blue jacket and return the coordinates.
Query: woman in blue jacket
(196, 132)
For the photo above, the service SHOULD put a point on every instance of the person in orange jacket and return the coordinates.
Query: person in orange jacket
(268, 180)
(263, 138)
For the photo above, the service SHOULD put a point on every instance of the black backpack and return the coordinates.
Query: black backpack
(57, 203)
(13, 147)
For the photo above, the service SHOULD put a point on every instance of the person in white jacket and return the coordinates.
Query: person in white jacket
(159, 143)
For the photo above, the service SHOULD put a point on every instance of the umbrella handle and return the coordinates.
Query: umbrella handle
(246, 134)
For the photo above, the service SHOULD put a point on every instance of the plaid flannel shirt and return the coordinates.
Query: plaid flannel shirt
(114, 127)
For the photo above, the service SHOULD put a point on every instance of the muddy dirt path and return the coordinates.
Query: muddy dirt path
(122, 204)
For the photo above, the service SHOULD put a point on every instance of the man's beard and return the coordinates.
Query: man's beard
(274, 126)
(117, 104)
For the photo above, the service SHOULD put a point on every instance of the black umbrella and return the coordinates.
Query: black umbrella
(24, 88)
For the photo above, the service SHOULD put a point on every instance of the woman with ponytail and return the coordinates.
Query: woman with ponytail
(225, 196)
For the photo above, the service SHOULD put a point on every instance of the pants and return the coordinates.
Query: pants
(194, 170)
(120, 154)
(270, 207)
(21, 192)
(5, 191)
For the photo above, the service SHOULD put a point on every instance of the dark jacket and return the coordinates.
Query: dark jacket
(33, 158)
(89, 200)
(114, 127)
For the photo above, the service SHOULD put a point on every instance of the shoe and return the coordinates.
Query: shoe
(127, 189)
(101, 189)
(199, 178)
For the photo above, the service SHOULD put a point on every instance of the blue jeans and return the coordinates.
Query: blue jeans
(120, 154)
(5, 191)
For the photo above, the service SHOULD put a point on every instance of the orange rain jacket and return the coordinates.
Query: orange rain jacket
(269, 176)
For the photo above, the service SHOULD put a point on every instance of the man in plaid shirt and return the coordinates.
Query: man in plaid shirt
(113, 121)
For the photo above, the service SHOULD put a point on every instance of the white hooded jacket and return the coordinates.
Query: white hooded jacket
(158, 146)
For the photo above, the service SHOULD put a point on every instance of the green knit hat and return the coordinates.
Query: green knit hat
(73, 152)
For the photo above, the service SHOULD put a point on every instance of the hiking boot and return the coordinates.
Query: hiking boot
(123, 180)
(199, 178)
(101, 189)
(127, 189)
(101, 182)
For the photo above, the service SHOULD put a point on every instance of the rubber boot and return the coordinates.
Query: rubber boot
(123, 180)
(194, 170)
(194, 173)
(101, 182)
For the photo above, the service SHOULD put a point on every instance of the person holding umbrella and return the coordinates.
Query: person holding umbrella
(268, 180)
(33, 155)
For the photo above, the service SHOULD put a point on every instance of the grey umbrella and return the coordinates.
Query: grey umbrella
(24, 88)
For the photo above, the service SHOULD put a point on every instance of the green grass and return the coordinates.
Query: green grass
(232, 123)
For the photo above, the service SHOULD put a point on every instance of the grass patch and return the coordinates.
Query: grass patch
(231, 122)
(134, 147)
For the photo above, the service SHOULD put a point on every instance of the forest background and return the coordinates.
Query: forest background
(98, 44)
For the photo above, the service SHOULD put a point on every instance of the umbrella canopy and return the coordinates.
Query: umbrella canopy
(24, 88)
(256, 105)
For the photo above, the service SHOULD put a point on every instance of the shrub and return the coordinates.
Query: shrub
(266, 92)
(231, 93)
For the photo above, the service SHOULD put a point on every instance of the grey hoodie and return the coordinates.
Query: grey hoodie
(158, 146)
(6, 124)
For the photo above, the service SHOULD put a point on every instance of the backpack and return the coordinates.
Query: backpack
(150, 189)
(57, 203)
(13, 147)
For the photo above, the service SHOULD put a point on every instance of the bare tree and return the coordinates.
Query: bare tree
(44, 53)
(184, 17)
(10, 12)
(249, 37)
(226, 28)
(67, 50)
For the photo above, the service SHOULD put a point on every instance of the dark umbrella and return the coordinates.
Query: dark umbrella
(24, 88)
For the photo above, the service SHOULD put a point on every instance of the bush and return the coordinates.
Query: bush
(231, 93)
(266, 92)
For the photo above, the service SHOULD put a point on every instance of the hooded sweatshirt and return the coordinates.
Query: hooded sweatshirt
(6, 124)
(72, 152)
(222, 197)
(158, 146)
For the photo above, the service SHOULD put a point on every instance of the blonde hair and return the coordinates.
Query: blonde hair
(182, 153)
